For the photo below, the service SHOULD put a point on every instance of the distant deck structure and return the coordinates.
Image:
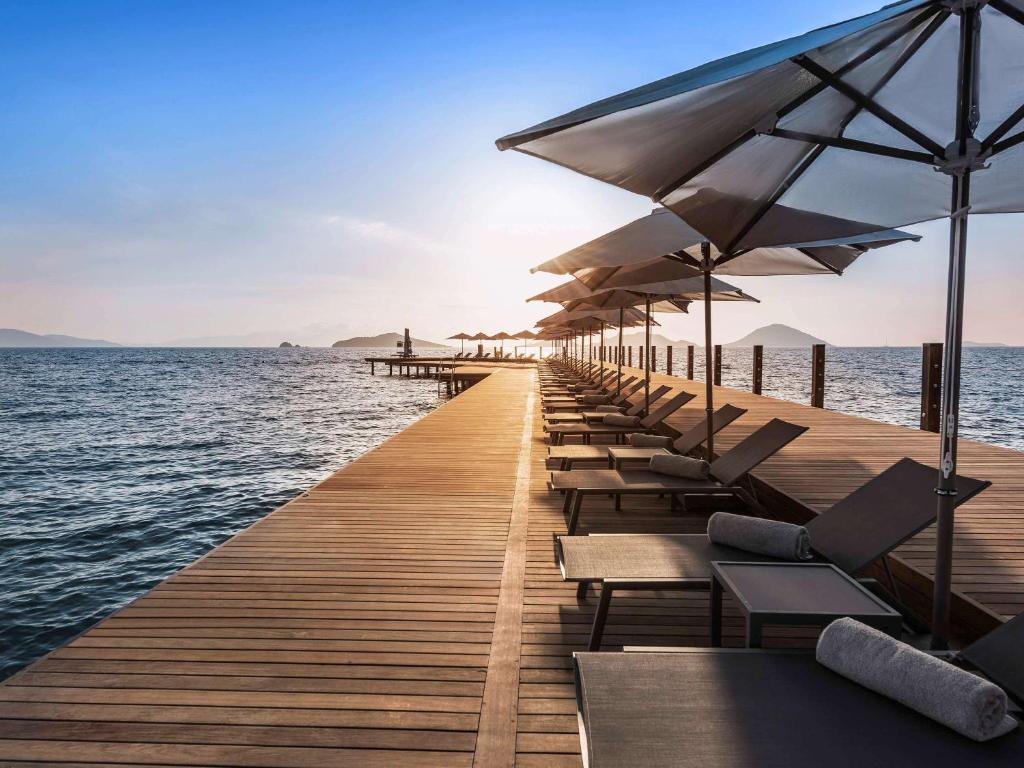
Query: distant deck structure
(407, 610)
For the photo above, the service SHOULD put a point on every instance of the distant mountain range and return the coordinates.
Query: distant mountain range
(381, 340)
(984, 344)
(633, 339)
(776, 335)
(12, 337)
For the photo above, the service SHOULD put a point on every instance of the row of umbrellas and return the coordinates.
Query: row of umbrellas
(500, 336)
(797, 156)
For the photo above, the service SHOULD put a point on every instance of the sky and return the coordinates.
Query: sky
(316, 170)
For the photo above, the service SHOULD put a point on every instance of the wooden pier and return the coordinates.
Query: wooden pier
(407, 610)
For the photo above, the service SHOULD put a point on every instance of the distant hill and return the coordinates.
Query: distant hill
(11, 337)
(381, 340)
(777, 335)
(633, 339)
(984, 344)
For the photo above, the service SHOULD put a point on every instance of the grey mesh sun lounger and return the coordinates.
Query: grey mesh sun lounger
(726, 473)
(774, 709)
(558, 432)
(589, 416)
(686, 443)
(630, 386)
(854, 533)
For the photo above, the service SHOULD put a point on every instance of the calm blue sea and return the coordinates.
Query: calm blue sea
(119, 466)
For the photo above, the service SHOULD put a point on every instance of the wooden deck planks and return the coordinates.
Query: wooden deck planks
(352, 626)
(408, 609)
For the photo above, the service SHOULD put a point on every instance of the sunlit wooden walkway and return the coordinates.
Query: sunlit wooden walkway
(407, 611)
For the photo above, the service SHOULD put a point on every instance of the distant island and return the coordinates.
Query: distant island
(381, 340)
(635, 339)
(984, 344)
(12, 337)
(776, 335)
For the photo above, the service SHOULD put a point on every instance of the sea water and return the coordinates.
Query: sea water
(120, 466)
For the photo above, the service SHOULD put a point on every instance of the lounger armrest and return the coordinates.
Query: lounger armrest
(666, 584)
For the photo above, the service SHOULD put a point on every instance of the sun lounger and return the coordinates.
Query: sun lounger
(558, 432)
(697, 708)
(616, 456)
(726, 473)
(590, 414)
(629, 387)
(854, 533)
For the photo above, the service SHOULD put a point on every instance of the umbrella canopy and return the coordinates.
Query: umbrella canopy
(501, 336)
(480, 337)
(576, 295)
(526, 335)
(462, 337)
(662, 237)
(631, 318)
(833, 133)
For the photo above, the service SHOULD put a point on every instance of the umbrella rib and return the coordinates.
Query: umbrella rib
(804, 97)
(1004, 127)
(1013, 141)
(819, 260)
(854, 145)
(900, 62)
(1009, 10)
(869, 104)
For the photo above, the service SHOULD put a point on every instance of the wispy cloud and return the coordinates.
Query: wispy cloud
(386, 232)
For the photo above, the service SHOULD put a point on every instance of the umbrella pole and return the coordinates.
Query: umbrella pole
(709, 394)
(600, 351)
(647, 355)
(950, 410)
(618, 357)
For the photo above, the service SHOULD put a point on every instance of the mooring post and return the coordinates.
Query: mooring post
(629, 353)
(654, 358)
(391, 370)
(758, 365)
(718, 365)
(640, 357)
(931, 385)
(373, 371)
(668, 360)
(818, 376)
(689, 362)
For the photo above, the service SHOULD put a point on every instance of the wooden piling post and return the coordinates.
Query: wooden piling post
(640, 357)
(654, 357)
(629, 354)
(373, 371)
(718, 365)
(758, 366)
(689, 362)
(818, 376)
(668, 360)
(931, 385)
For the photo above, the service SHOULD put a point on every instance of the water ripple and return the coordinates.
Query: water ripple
(119, 466)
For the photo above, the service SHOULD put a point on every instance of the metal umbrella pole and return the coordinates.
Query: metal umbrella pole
(600, 351)
(966, 122)
(647, 356)
(618, 356)
(709, 394)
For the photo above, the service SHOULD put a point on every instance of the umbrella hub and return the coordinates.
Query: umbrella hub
(959, 6)
(956, 163)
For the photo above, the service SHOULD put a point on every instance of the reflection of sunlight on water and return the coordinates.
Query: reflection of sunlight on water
(884, 383)
(120, 466)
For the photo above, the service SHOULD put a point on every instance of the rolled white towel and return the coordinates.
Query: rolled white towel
(640, 440)
(971, 706)
(680, 466)
(773, 538)
(620, 420)
(608, 409)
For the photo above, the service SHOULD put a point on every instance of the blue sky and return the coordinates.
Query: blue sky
(178, 170)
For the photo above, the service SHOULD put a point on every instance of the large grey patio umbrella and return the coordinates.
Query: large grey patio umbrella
(662, 248)
(907, 114)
